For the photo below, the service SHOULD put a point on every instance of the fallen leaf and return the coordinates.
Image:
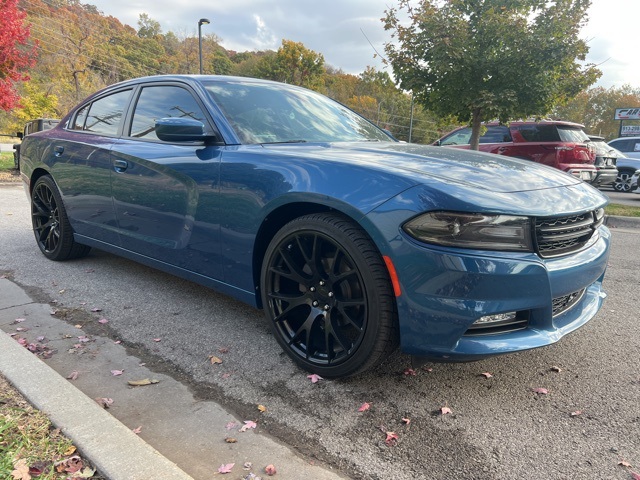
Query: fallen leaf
(624, 464)
(73, 375)
(428, 369)
(314, 378)
(69, 451)
(262, 408)
(157, 339)
(226, 468)
(635, 476)
(555, 369)
(137, 430)
(142, 383)
(214, 360)
(406, 421)
(247, 466)
(223, 350)
(96, 310)
(247, 425)
(117, 373)
(392, 438)
(230, 440)
(118, 342)
(36, 469)
(364, 407)
(445, 410)
(576, 413)
(21, 470)
(104, 402)
(231, 425)
(540, 391)
(87, 472)
(103, 321)
(61, 291)
(270, 470)
(18, 320)
(22, 329)
(486, 375)
(409, 371)
(83, 338)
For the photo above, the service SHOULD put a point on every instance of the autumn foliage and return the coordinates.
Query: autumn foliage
(16, 56)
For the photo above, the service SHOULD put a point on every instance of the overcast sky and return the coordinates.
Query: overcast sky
(345, 30)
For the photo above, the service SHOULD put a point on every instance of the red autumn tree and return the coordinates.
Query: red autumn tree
(16, 56)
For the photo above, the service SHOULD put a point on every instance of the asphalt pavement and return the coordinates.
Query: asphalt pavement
(104, 321)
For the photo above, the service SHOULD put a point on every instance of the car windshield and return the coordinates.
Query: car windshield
(273, 113)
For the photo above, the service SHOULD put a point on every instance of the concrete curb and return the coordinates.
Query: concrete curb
(117, 452)
(614, 221)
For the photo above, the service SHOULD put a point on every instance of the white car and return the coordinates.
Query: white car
(630, 146)
(634, 182)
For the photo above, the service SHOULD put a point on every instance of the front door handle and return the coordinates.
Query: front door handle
(120, 165)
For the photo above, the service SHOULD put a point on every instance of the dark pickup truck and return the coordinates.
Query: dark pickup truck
(32, 126)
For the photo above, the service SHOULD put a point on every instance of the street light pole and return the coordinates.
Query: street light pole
(202, 21)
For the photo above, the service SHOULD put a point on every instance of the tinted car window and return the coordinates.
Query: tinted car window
(81, 116)
(494, 134)
(539, 133)
(105, 114)
(572, 135)
(159, 102)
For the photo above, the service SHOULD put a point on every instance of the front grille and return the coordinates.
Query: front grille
(563, 235)
(564, 303)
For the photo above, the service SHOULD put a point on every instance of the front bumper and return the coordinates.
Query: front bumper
(444, 291)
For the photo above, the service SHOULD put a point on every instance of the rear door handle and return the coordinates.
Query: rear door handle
(58, 150)
(120, 165)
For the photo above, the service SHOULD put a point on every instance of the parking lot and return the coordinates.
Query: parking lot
(501, 424)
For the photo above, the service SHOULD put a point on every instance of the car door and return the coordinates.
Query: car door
(165, 193)
(81, 165)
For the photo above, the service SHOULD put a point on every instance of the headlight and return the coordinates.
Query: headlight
(472, 230)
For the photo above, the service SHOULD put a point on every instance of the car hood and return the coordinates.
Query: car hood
(426, 164)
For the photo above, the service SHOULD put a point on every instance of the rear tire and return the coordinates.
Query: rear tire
(623, 181)
(51, 226)
(327, 294)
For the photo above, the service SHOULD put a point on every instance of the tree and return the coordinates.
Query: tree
(595, 108)
(486, 59)
(16, 56)
(295, 64)
(147, 27)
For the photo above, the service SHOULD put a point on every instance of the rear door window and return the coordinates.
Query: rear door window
(106, 113)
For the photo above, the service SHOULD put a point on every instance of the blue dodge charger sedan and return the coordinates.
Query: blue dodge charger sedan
(351, 242)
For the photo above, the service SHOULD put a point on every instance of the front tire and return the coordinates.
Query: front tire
(51, 226)
(327, 294)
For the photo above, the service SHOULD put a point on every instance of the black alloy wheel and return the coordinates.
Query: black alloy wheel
(51, 226)
(327, 293)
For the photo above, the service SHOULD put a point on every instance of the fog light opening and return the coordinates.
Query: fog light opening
(499, 323)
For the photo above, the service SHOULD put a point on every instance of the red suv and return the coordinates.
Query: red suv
(562, 145)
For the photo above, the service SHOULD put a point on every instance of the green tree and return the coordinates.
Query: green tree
(485, 59)
(296, 64)
(595, 108)
(148, 27)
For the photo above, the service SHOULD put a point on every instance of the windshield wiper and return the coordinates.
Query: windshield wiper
(283, 141)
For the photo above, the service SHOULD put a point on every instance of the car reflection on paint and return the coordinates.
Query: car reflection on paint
(351, 242)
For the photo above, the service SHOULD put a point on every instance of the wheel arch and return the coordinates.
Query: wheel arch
(277, 219)
(35, 175)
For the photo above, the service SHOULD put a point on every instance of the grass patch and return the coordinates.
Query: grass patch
(622, 210)
(6, 161)
(29, 442)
